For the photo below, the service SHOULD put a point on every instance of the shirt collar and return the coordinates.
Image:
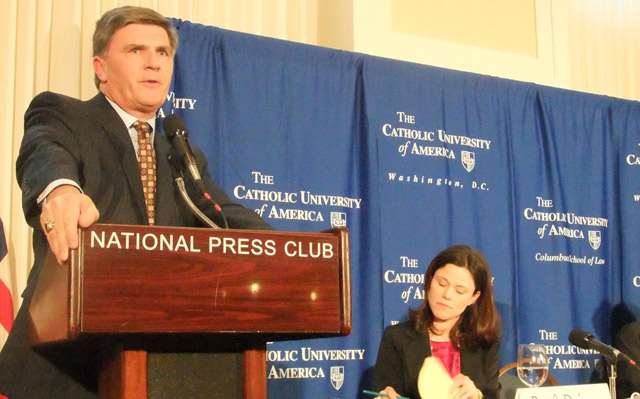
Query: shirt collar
(129, 119)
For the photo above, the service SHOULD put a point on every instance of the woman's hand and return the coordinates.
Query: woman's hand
(463, 388)
(390, 392)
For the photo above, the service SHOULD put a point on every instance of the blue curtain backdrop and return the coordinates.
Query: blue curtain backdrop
(412, 159)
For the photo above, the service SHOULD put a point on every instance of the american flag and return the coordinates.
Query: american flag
(6, 302)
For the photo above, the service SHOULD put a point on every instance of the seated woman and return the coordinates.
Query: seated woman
(458, 323)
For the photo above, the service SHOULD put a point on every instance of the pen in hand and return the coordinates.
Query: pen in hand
(382, 395)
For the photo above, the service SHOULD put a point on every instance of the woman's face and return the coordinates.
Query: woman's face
(451, 291)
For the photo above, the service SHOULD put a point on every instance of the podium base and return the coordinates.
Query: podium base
(195, 375)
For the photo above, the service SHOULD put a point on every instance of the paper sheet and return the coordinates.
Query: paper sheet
(434, 381)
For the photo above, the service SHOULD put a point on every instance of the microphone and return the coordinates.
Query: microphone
(177, 133)
(585, 340)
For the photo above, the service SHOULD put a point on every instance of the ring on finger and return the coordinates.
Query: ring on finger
(50, 225)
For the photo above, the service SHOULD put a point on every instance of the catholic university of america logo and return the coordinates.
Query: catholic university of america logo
(337, 376)
(594, 239)
(338, 219)
(468, 160)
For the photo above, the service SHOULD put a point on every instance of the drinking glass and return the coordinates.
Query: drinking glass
(533, 364)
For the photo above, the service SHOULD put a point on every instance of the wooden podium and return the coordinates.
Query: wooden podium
(129, 290)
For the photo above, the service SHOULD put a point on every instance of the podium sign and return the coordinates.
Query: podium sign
(141, 281)
(584, 391)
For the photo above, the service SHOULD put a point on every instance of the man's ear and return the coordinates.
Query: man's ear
(98, 68)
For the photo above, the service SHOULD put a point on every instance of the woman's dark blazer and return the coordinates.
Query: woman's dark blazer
(403, 350)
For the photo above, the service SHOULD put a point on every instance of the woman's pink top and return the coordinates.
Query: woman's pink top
(449, 356)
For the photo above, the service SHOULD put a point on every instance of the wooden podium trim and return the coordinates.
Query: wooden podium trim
(124, 376)
(345, 279)
(255, 372)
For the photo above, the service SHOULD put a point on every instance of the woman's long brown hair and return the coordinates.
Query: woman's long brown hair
(479, 325)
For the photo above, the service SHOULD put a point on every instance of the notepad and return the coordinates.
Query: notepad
(434, 381)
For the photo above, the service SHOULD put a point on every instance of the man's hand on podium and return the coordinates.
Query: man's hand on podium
(65, 209)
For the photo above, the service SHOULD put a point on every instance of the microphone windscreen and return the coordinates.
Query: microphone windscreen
(172, 124)
(579, 338)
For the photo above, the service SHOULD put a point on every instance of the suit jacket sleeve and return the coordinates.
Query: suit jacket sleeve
(388, 368)
(49, 151)
(486, 375)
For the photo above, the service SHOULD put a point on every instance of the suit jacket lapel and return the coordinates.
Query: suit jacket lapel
(164, 182)
(418, 349)
(109, 120)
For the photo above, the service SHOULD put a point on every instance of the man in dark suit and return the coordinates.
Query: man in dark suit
(628, 342)
(81, 161)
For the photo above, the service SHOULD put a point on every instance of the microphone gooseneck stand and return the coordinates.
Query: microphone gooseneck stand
(612, 379)
(183, 159)
(194, 208)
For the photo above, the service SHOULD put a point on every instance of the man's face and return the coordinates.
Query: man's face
(135, 72)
